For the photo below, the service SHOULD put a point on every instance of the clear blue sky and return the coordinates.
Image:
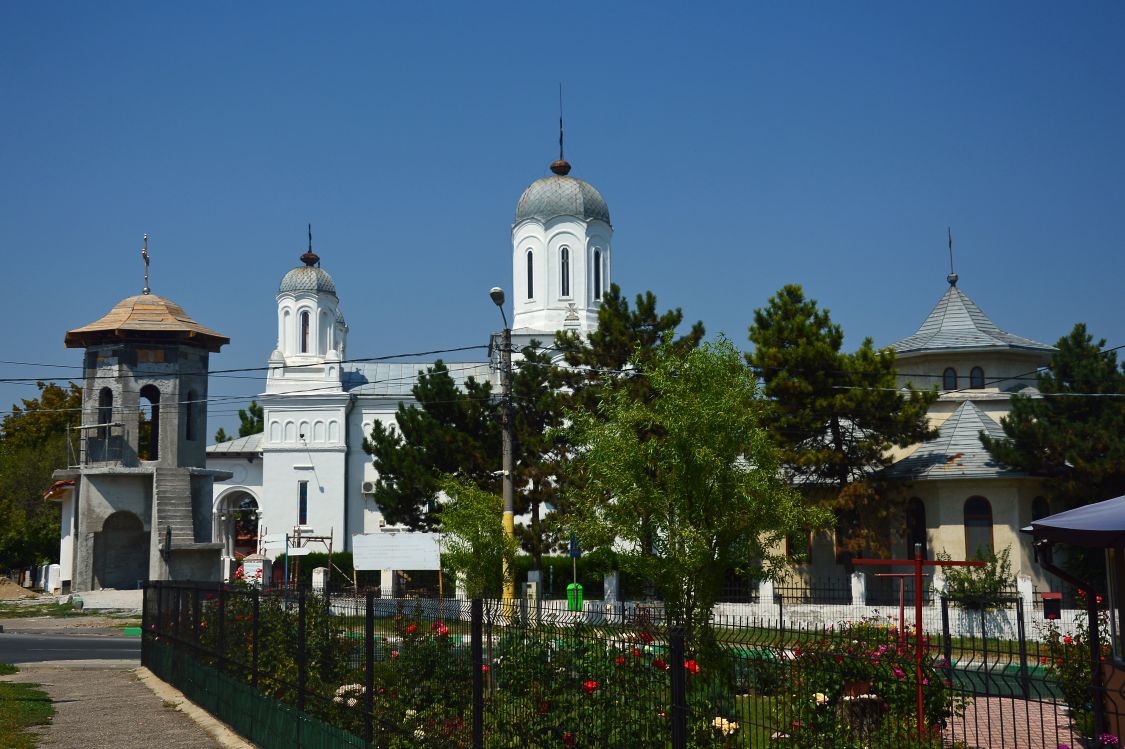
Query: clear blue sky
(739, 146)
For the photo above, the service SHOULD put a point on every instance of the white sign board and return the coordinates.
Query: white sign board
(299, 551)
(396, 551)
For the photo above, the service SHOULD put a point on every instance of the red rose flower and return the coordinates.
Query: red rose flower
(659, 664)
(691, 666)
(590, 686)
(619, 660)
(636, 653)
(568, 739)
(410, 628)
(484, 667)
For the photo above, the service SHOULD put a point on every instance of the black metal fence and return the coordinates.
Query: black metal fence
(474, 674)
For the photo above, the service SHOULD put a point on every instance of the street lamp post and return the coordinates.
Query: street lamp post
(497, 295)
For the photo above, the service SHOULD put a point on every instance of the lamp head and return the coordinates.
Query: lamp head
(497, 295)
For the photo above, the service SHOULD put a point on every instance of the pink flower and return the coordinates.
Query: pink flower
(484, 667)
(394, 654)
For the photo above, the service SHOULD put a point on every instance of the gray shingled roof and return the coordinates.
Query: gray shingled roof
(241, 446)
(396, 379)
(957, 452)
(560, 195)
(957, 323)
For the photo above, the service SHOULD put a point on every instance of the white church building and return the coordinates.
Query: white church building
(307, 472)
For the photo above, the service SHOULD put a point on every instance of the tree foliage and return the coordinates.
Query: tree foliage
(695, 461)
(33, 444)
(835, 415)
(222, 436)
(446, 431)
(1074, 441)
(253, 420)
(473, 541)
(625, 338)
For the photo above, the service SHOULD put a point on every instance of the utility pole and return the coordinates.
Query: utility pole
(507, 427)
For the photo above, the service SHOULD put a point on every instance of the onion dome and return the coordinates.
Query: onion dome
(308, 277)
(561, 195)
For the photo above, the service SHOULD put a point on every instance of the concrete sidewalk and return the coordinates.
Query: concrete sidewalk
(115, 704)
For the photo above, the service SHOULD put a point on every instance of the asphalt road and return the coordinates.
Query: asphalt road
(34, 648)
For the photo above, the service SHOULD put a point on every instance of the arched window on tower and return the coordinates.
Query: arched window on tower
(530, 275)
(564, 271)
(148, 435)
(1040, 508)
(976, 378)
(949, 379)
(916, 527)
(191, 416)
(105, 411)
(978, 527)
(597, 275)
(305, 332)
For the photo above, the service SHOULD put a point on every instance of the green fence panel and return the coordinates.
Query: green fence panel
(262, 720)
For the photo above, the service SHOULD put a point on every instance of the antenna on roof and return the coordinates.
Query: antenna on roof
(952, 277)
(561, 167)
(144, 254)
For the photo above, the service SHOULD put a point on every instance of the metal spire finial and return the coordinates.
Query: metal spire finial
(952, 277)
(144, 254)
(561, 167)
(310, 258)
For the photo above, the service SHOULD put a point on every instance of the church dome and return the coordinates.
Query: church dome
(561, 195)
(307, 278)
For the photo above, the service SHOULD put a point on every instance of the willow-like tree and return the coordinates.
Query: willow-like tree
(836, 415)
(695, 460)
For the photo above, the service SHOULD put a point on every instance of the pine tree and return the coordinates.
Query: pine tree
(253, 420)
(835, 415)
(1072, 434)
(222, 436)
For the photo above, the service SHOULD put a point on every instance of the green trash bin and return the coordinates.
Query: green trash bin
(574, 597)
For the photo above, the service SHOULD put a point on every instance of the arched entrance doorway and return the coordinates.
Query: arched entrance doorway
(236, 524)
(121, 552)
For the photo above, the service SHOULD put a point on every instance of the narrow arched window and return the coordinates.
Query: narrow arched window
(1040, 508)
(949, 379)
(978, 527)
(597, 275)
(105, 406)
(916, 527)
(976, 378)
(191, 416)
(304, 332)
(530, 275)
(564, 272)
(148, 438)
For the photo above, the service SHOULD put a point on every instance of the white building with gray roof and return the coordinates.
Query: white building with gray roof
(308, 468)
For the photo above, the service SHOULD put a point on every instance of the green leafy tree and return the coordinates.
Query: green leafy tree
(33, 444)
(835, 415)
(695, 461)
(1072, 440)
(253, 420)
(473, 541)
(222, 436)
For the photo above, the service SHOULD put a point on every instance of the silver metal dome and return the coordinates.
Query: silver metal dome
(561, 195)
(307, 278)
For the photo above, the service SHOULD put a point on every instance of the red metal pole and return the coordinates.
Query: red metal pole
(918, 639)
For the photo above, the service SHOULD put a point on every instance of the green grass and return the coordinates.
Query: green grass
(21, 706)
(25, 611)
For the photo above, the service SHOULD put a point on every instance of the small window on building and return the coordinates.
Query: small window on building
(978, 527)
(148, 433)
(530, 275)
(302, 503)
(949, 379)
(976, 378)
(1040, 508)
(105, 406)
(916, 527)
(564, 272)
(597, 275)
(304, 332)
